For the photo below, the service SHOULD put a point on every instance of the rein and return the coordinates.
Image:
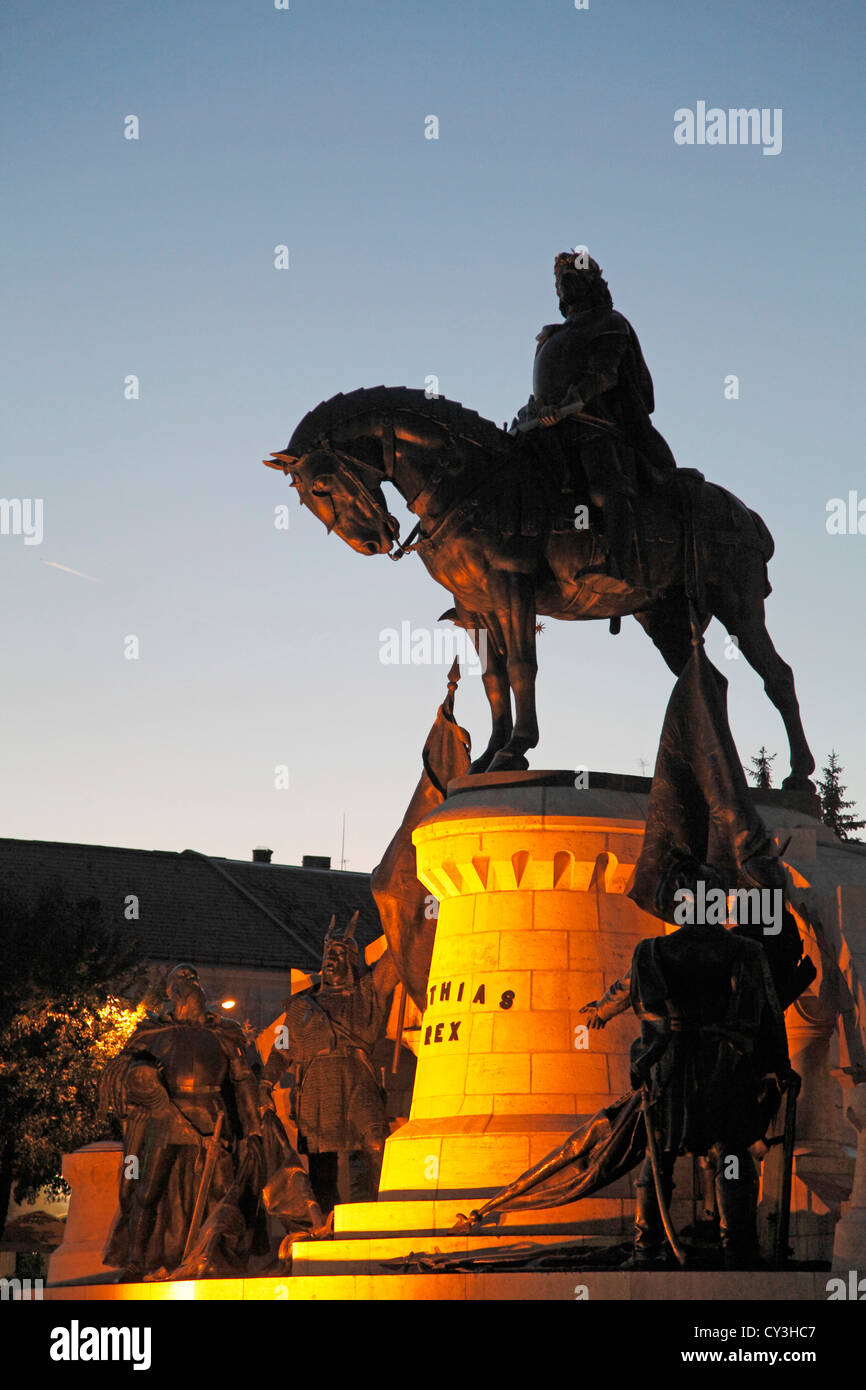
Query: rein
(408, 546)
(352, 466)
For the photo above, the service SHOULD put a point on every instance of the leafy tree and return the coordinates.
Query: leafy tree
(761, 772)
(834, 807)
(69, 983)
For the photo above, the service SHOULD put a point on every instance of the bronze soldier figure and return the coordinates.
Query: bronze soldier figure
(192, 1141)
(332, 1029)
(791, 972)
(712, 1060)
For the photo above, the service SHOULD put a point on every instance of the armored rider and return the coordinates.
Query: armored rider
(593, 393)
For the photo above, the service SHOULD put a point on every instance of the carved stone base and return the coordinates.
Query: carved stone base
(93, 1173)
(531, 875)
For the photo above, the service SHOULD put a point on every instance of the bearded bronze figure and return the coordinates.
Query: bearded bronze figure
(199, 1169)
(330, 1032)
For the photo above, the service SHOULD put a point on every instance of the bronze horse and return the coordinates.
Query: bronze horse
(508, 527)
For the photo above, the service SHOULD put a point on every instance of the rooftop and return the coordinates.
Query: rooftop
(190, 905)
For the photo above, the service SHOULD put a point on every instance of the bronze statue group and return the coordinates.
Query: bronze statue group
(206, 1159)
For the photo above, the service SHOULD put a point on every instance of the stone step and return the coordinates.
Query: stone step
(368, 1255)
(602, 1215)
(594, 1215)
(611, 1285)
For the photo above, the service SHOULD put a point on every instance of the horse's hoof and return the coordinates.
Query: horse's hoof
(481, 764)
(795, 783)
(508, 762)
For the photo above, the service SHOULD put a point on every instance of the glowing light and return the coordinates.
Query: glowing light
(228, 1003)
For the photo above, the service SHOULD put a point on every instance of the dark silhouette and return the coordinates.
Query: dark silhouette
(192, 1168)
(404, 904)
(331, 1030)
(578, 512)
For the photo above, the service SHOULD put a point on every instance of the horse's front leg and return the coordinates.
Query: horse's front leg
(487, 640)
(516, 614)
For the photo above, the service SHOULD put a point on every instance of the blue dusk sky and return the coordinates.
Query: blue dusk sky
(408, 257)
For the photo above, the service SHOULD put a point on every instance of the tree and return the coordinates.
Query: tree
(761, 772)
(833, 805)
(69, 985)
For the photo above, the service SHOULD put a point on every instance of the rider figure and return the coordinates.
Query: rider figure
(592, 366)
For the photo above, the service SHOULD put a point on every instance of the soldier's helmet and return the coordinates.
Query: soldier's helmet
(344, 939)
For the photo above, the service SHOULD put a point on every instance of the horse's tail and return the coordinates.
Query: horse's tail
(767, 544)
(720, 508)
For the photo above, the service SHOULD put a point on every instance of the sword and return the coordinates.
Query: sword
(398, 1035)
(783, 1220)
(566, 412)
(212, 1145)
(657, 1179)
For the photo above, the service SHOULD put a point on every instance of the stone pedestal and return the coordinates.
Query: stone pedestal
(849, 1250)
(93, 1173)
(823, 1169)
(531, 875)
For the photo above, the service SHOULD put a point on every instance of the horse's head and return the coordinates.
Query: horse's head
(345, 492)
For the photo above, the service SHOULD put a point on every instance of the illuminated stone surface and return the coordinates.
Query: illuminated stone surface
(428, 1288)
(93, 1174)
(532, 880)
(530, 874)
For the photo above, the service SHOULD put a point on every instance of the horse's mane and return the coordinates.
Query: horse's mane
(341, 408)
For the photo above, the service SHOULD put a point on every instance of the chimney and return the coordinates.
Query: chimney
(316, 861)
(262, 855)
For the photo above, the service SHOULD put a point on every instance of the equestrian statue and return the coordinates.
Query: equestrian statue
(578, 511)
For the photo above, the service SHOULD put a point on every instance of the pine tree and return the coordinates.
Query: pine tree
(761, 772)
(833, 805)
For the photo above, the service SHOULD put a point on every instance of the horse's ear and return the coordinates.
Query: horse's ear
(283, 461)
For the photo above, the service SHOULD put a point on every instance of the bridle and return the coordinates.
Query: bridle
(349, 466)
